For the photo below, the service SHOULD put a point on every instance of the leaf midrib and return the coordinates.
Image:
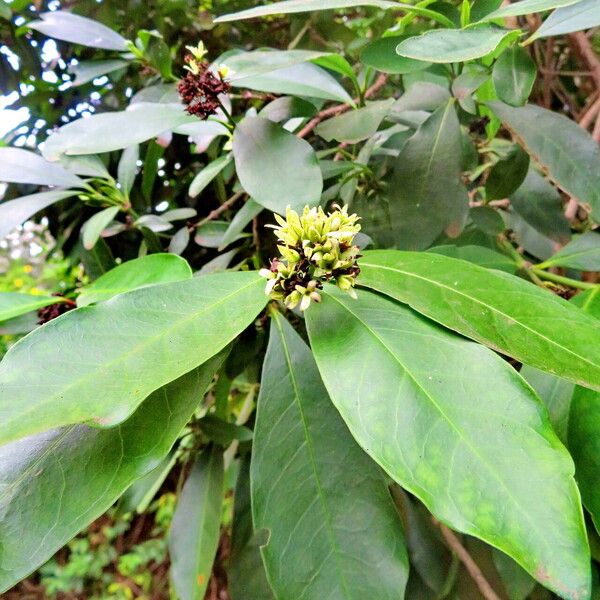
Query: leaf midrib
(484, 304)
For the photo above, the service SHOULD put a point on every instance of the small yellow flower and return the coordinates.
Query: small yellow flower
(18, 282)
(35, 291)
(27, 269)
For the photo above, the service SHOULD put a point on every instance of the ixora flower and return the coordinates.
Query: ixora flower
(200, 88)
(316, 247)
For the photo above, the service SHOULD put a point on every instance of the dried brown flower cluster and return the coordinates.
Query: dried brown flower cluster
(200, 88)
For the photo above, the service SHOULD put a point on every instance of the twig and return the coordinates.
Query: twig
(590, 114)
(333, 111)
(221, 209)
(470, 565)
(584, 47)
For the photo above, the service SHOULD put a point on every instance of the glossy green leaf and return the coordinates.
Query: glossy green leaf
(421, 96)
(54, 484)
(247, 64)
(136, 273)
(287, 107)
(87, 70)
(207, 174)
(241, 219)
(517, 582)
(276, 168)
(431, 408)
(574, 17)
(514, 75)
(115, 130)
(539, 203)
(127, 347)
(527, 7)
(299, 6)
(355, 125)
(70, 27)
(14, 304)
(507, 175)
(92, 229)
(504, 312)
(325, 505)
(246, 577)
(87, 164)
(381, 55)
(303, 79)
(212, 234)
(582, 253)
(479, 255)
(194, 533)
(15, 212)
(487, 219)
(567, 153)
(22, 166)
(127, 168)
(452, 45)
(426, 191)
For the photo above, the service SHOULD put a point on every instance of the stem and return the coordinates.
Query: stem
(226, 113)
(574, 283)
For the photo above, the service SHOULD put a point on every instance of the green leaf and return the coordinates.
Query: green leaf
(287, 107)
(127, 169)
(479, 255)
(87, 70)
(89, 164)
(584, 14)
(426, 191)
(242, 217)
(115, 130)
(567, 153)
(275, 167)
(517, 582)
(14, 212)
(431, 409)
(514, 74)
(507, 175)
(538, 202)
(92, 229)
(194, 533)
(127, 348)
(246, 578)
(132, 274)
(303, 79)
(355, 125)
(504, 312)
(453, 45)
(212, 234)
(22, 166)
(381, 55)
(56, 483)
(69, 27)
(14, 304)
(223, 432)
(207, 174)
(324, 517)
(582, 253)
(299, 6)
(527, 7)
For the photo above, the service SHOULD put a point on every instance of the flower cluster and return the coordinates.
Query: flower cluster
(316, 247)
(200, 88)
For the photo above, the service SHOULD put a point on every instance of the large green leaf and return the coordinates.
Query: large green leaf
(21, 166)
(507, 175)
(381, 55)
(514, 75)
(355, 125)
(504, 312)
(452, 45)
(132, 274)
(14, 304)
(115, 130)
(527, 7)
(207, 174)
(92, 229)
(64, 25)
(453, 423)
(299, 6)
(88, 70)
(97, 363)
(194, 533)
(275, 167)
(54, 484)
(581, 15)
(566, 152)
(14, 212)
(333, 529)
(582, 253)
(426, 191)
